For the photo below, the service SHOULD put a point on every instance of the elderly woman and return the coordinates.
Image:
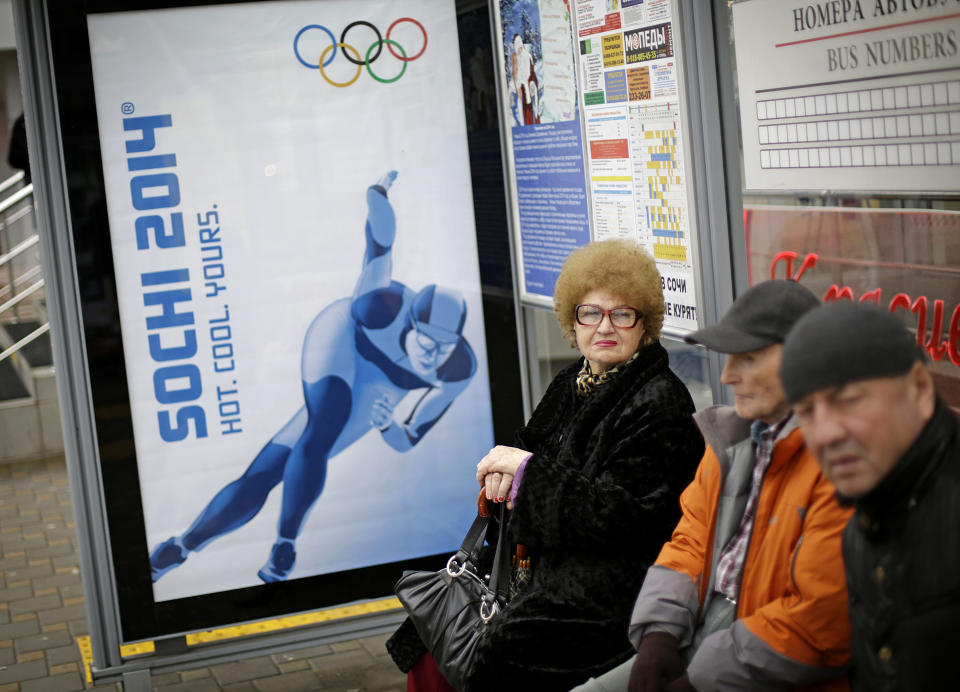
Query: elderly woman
(594, 480)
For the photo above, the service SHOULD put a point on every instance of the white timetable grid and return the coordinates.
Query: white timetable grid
(941, 93)
(876, 155)
(880, 127)
(868, 103)
(913, 130)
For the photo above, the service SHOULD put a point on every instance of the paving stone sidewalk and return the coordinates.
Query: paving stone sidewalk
(42, 611)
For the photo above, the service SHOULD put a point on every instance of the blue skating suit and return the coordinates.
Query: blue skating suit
(361, 356)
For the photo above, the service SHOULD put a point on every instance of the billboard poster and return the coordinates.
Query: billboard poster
(291, 221)
(546, 150)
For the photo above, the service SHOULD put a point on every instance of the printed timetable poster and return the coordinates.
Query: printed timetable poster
(290, 213)
(635, 142)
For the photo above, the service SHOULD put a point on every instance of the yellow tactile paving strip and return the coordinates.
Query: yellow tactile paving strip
(261, 627)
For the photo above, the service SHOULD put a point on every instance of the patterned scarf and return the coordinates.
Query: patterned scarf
(587, 381)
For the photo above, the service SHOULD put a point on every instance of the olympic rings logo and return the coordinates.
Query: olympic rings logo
(369, 58)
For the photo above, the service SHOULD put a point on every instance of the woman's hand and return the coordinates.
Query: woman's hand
(496, 471)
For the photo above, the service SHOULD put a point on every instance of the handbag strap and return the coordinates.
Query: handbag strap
(473, 542)
(470, 548)
(498, 588)
(469, 552)
(500, 572)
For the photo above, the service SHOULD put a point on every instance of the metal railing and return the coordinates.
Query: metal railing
(11, 181)
(23, 272)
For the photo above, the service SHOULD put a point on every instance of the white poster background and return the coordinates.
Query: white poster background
(287, 159)
(861, 96)
(559, 78)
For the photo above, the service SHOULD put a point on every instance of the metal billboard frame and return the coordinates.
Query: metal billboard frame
(170, 653)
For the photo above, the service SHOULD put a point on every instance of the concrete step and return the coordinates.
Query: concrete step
(30, 426)
(11, 383)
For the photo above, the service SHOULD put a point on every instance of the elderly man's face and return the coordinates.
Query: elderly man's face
(754, 377)
(859, 431)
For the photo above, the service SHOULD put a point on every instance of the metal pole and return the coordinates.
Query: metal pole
(496, 51)
(73, 386)
(707, 176)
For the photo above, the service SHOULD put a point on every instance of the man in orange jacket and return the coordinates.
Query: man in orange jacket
(750, 593)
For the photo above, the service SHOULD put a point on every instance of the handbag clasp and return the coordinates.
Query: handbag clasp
(453, 561)
(488, 610)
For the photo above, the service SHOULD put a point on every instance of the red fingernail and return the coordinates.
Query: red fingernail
(499, 499)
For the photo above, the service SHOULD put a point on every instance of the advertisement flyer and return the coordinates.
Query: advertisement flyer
(648, 43)
(597, 16)
(545, 151)
(291, 218)
(864, 98)
(635, 143)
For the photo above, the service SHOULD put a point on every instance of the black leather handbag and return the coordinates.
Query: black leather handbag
(451, 608)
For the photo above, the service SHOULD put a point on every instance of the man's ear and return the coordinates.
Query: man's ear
(922, 389)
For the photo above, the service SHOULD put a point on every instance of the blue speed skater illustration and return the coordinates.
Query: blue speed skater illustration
(361, 356)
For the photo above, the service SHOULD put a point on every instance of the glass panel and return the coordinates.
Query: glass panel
(902, 252)
(906, 260)
(691, 366)
(547, 351)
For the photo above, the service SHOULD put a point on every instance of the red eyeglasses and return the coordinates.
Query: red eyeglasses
(622, 317)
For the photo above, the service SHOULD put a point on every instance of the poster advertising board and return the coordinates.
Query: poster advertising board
(292, 317)
(629, 71)
(545, 147)
(282, 299)
(855, 96)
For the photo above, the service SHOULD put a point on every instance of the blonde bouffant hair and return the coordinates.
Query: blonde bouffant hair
(620, 267)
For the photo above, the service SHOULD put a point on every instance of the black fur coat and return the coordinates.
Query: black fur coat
(597, 501)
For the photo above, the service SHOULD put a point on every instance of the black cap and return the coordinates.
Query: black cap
(760, 317)
(844, 342)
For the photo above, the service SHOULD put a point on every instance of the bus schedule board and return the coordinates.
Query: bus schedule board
(286, 272)
(857, 96)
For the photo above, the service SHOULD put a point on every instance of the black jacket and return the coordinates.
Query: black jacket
(902, 555)
(597, 501)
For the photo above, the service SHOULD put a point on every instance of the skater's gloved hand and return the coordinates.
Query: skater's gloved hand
(382, 414)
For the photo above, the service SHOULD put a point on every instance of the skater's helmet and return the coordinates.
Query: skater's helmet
(439, 313)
